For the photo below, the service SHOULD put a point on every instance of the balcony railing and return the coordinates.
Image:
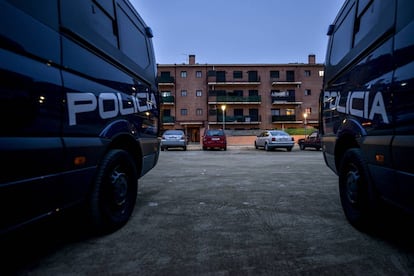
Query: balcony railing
(168, 100)
(283, 118)
(241, 99)
(168, 119)
(238, 119)
(284, 99)
(166, 79)
(224, 81)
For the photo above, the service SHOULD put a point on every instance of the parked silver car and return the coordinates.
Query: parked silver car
(173, 139)
(272, 139)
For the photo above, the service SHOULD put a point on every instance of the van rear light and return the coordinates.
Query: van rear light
(273, 139)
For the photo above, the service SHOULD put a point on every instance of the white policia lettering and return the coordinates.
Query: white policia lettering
(377, 107)
(86, 102)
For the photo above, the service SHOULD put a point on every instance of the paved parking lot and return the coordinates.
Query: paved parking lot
(235, 212)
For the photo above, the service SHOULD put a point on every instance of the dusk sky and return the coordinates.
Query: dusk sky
(239, 31)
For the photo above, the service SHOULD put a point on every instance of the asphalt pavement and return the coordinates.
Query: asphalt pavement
(236, 212)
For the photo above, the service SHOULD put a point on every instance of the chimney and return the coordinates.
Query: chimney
(311, 59)
(191, 59)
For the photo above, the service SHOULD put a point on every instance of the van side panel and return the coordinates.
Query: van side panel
(77, 79)
(31, 150)
(403, 143)
(368, 98)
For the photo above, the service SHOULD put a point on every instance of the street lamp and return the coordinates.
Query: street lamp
(305, 115)
(223, 109)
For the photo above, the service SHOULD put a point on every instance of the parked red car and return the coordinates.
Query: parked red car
(214, 138)
(313, 140)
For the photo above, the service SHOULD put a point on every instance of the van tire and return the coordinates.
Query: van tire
(355, 188)
(114, 192)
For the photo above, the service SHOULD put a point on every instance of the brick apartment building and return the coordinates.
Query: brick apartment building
(239, 96)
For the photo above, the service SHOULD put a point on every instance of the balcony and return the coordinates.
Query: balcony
(283, 118)
(288, 100)
(289, 82)
(168, 120)
(234, 100)
(212, 80)
(166, 81)
(236, 120)
(168, 100)
(286, 97)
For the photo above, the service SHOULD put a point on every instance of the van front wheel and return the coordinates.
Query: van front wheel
(354, 189)
(114, 192)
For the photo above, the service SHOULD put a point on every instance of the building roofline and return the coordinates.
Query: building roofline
(241, 65)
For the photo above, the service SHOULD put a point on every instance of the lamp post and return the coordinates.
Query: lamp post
(223, 109)
(305, 115)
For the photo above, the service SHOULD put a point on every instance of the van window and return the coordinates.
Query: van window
(103, 22)
(369, 17)
(90, 20)
(342, 38)
(132, 40)
(43, 10)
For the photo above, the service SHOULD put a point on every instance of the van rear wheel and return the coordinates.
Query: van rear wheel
(114, 192)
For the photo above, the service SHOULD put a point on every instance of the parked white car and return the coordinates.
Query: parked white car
(272, 139)
(173, 139)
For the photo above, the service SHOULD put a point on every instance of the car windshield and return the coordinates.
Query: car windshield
(173, 132)
(214, 132)
(278, 133)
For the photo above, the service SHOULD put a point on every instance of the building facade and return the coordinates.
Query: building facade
(239, 96)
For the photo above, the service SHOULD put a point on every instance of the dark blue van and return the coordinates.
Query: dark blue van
(79, 110)
(367, 106)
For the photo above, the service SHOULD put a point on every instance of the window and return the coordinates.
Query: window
(199, 93)
(253, 76)
(236, 93)
(307, 73)
(290, 112)
(199, 112)
(238, 112)
(183, 93)
(342, 38)
(321, 73)
(308, 92)
(220, 76)
(132, 39)
(290, 75)
(199, 74)
(253, 93)
(369, 15)
(275, 112)
(165, 93)
(166, 112)
(184, 112)
(274, 74)
(237, 74)
(183, 74)
(254, 114)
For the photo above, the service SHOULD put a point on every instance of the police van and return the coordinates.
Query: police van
(367, 106)
(79, 112)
